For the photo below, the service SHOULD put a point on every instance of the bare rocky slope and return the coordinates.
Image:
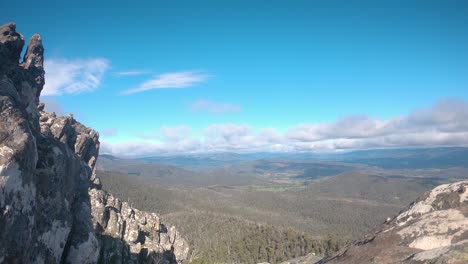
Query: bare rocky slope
(52, 207)
(434, 229)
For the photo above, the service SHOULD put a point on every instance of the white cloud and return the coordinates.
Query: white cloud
(349, 127)
(73, 76)
(170, 81)
(228, 136)
(447, 117)
(132, 73)
(444, 124)
(140, 148)
(214, 107)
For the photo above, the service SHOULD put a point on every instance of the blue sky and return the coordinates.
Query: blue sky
(187, 76)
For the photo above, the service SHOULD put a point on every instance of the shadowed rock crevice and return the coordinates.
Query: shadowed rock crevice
(52, 209)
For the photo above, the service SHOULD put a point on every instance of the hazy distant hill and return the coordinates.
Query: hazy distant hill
(167, 174)
(399, 158)
(409, 158)
(261, 168)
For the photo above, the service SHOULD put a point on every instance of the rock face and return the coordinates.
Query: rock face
(52, 209)
(434, 229)
(140, 235)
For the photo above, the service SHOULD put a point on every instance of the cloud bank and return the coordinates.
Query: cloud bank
(73, 76)
(170, 81)
(443, 124)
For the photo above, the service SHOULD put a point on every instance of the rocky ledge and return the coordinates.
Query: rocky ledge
(434, 229)
(52, 207)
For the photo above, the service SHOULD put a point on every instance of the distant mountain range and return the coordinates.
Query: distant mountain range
(402, 158)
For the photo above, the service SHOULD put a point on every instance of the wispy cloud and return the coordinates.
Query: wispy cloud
(170, 81)
(73, 76)
(214, 107)
(132, 73)
(443, 124)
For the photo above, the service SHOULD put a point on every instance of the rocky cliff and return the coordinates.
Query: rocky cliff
(52, 208)
(434, 229)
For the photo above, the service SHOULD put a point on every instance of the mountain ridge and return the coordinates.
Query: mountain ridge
(391, 158)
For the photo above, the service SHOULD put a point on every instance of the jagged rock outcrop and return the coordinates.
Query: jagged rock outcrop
(52, 209)
(434, 229)
(140, 234)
